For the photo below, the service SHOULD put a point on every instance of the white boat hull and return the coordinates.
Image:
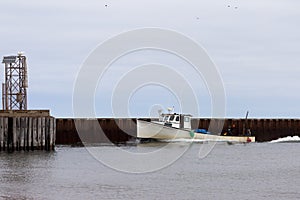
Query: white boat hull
(160, 132)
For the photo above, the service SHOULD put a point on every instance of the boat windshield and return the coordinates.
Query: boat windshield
(172, 118)
(166, 118)
(177, 118)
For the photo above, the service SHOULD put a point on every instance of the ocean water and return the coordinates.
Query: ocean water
(236, 171)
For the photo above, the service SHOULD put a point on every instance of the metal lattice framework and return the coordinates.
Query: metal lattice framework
(14, 90)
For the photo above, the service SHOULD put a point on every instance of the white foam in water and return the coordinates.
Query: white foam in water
(287, 139)
(183, 140)
(192, 140)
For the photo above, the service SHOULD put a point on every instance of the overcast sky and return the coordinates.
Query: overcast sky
(255, 45)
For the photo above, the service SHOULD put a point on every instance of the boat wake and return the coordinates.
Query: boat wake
(184, 140)
(286, 139)
(193, 141)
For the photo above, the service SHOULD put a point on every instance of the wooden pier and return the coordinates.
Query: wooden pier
(27, 130)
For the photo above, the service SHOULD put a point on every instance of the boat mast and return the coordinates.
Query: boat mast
(245, 124)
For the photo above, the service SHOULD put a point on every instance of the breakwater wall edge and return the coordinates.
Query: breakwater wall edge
(124, 129)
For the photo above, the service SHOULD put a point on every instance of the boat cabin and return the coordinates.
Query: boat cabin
(176, 120)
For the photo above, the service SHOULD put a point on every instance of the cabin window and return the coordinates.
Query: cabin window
(187, 119)
(166, 118)
(177, 118)
(172, 118)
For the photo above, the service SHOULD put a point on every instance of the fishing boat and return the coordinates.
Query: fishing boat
(178, 126)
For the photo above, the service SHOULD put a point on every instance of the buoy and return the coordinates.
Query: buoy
(192, 134)
(248, 139)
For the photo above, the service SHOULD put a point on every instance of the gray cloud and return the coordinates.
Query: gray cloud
(256, 46)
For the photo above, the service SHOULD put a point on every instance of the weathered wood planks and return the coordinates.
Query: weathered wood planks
(27, 133)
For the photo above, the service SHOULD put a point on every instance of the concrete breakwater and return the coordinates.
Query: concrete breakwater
(124, 129)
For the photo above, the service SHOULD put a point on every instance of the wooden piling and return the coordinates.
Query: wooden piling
(47, 137)
(54, 133)
(18, 130)
(1, 134)
(34, 133)
(26, 134)
(29, 134)
(43, 132)
(39, 133)
(9, 136)
(22, 133)
(31, 130)
(51, 130)
(5, 123)
(14, 134)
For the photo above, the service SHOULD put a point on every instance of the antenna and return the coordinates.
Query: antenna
(159, 111)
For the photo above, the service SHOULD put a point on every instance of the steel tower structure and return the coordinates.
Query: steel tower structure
(14, 90)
